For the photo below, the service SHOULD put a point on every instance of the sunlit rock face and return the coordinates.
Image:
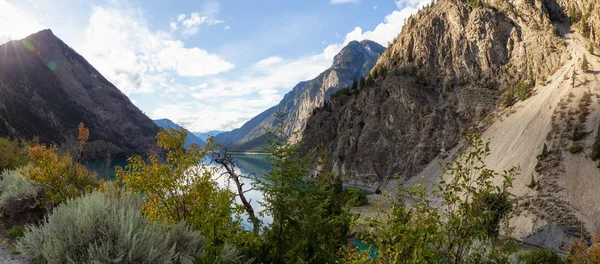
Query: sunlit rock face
(350, 64)
(446, 71)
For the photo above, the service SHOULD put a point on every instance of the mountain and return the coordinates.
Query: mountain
(205, 135)
(350, 64)
(48, 89)
(190, 139)
(512, 70)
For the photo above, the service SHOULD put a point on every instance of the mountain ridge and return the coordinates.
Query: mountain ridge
(191, 138)
(350, 64)
(48, 89)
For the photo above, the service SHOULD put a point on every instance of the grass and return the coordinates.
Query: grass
(16, 232)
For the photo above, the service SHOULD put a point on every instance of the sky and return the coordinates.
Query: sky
(207, 64)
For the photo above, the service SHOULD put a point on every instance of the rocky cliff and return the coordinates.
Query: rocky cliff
(47, 89)
(446, 71)
(350, 64)
(511, 69)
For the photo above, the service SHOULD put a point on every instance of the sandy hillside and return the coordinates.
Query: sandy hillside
(566, 198)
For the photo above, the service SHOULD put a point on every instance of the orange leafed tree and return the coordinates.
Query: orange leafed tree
(582, 253)
(84, 135)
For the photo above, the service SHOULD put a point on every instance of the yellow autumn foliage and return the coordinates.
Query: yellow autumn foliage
(60, 175)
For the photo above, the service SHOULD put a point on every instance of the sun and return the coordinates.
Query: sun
(20, 22)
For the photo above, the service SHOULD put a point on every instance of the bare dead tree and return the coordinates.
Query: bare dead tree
(228, 163)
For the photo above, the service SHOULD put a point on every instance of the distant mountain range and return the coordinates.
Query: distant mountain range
(205, 135)
(47, 89)
(191, 138)
(354, 61)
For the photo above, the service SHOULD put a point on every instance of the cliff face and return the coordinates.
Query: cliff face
(48, 89)
(354, 61)
(446, 71)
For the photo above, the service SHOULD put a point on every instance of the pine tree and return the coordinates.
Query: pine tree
(354, 85)
(585, 65)
(362, 82)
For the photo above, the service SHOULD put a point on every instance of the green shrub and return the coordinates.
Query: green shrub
(542, 256)
(378, 191)
(13, 154)
(13, 185)
(524, 90)
(595, 155)
(532, 184)
(108, 228)
(20, 199)
(509, 98)
(16, 232)
(575, 149)
(356, 197)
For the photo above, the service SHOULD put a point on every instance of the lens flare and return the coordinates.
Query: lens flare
(52, 65)
(28, 45)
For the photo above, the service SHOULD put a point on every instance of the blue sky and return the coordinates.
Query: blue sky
(207, 64)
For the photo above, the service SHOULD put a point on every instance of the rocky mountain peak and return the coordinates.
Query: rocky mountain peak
(354, 61)
(356, 54)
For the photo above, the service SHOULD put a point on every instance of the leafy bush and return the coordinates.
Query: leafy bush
(583, 252)
(356, 197)
(458, 223)
(542, 256)
(181, 188)
(13, 154)
(60, 175)
(107, 227)
(20, 199)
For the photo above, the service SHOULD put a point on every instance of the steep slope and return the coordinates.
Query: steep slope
(231, 139)
(446, 71)
(437, 83)
(350, 64)
(189, 140)
(48, 89)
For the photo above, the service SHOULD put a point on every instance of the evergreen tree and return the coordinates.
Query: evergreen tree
(309, 222)
(354, 85)
(585, 65)
(362, 82)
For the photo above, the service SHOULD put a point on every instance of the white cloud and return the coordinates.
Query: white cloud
(200, 117)
(333, 2)
(227, 27)
(263, 84)
(191, 25)
(374, 7)
(173, 26)
(145, 58)
(17, 23)
(384, 32)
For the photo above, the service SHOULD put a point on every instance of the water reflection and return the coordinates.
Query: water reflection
(247, 164)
